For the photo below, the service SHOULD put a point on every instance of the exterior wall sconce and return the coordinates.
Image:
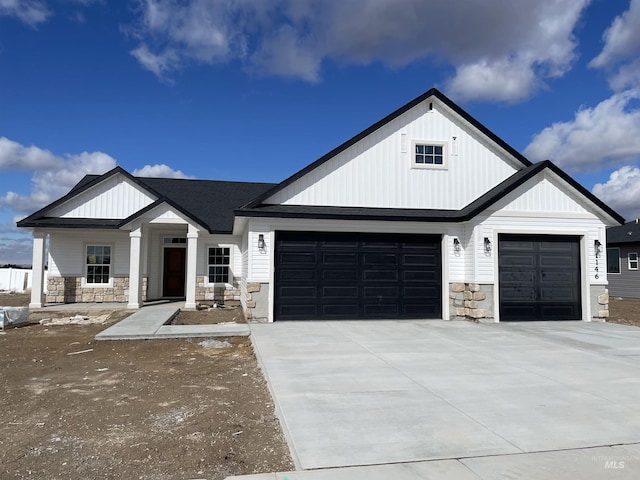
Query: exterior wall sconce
(598, 247)
(261, 244)
(487, 245)
(456, 244)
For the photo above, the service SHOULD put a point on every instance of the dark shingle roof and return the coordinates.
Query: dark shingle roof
(209, 202)
(627, 233)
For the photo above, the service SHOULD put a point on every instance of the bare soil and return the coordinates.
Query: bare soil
(73, 408)
(215, 315)
(626, 311)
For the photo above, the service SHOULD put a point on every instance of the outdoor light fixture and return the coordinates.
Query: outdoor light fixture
(598, 247)
(487, 245)
(456, 244)
(261, 244)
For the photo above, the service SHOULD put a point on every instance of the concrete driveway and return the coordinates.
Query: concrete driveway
(362, 393)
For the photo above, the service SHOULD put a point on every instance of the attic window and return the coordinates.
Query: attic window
(429, 155)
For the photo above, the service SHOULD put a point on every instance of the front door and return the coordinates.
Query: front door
(174, 272)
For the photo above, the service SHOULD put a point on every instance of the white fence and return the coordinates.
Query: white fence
(15, 279)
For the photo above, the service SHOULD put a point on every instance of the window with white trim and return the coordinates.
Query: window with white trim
(632, 259)
(429, 155)
(98, 262)
(613, 260)
(218, 264)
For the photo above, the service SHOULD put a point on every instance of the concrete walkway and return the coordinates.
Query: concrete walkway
(495, 395)
(150, 321)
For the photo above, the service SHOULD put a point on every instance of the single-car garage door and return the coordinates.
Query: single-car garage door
(342, 276)
(539, 277)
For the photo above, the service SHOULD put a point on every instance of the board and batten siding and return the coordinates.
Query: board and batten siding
(206, 241)
(377, 171)
(67, 251)
(625, 284)
(116, 197)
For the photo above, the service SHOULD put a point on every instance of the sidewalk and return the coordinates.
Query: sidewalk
(150, 322)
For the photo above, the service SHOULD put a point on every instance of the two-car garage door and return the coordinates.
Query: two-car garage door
(340, 276)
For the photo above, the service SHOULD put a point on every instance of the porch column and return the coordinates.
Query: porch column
(37, 269)
(192, 257)
(134, 268)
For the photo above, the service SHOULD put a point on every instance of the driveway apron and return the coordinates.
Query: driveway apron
(377, 392)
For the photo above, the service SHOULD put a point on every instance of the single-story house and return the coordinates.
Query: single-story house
(623, 247)
(425, 214)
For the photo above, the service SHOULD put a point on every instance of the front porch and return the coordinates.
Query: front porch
(160, 256)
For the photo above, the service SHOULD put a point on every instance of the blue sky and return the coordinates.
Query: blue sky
(255, 90)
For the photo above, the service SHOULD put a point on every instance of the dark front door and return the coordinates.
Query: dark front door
(539, 277)
(342, 276)
(174, 272)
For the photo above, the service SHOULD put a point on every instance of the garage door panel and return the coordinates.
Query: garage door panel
(556, 261)
(299, 292)
(332, 293)
(342, 276)
(519, 294)
(543, 283)
(378, 275)
(379, 259)
(519, 276)
(297, 275)
(339, 259)
(298, 258)
(357, 276)
(374, 310)
(517, 260)
(421, 276)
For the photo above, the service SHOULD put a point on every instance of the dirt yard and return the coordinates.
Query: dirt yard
(73, 408)
(625, 311)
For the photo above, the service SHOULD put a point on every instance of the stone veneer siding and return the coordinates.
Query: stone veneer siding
(599, 303)
(471, 301)
(226, 293)
(257, 302)
(70, 290)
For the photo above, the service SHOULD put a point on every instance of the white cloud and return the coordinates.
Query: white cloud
(622, 191)
(53, 175)
(159, 171)
(160, 64)
(606, 135)
(500, 49)
(31, 12)
(14, 156)
(619, 56)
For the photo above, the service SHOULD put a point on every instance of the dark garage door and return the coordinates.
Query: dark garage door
(340, 276)
(539, 277)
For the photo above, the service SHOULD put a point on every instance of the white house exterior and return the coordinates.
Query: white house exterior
(425, 214)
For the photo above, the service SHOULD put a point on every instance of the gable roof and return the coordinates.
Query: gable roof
(627, 233)
(424, 215)
(433, 92)
(209, 203)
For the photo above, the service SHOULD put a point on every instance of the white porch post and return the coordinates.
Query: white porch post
(37, 268)
(192, 256)
(134, 268)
